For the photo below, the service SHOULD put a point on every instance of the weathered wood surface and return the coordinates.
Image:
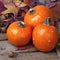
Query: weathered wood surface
(3, 36)
(32, 56)
(8, 47)
(28, 54)
(58, 49)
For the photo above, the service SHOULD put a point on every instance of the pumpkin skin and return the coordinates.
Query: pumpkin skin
(45, 37)
(37, 15)
(17, 35)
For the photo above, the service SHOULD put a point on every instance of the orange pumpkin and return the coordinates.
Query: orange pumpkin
(37, 16)
(18, 33)
(45, 36)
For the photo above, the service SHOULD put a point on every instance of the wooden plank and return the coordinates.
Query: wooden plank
(8, 47)
(32, 56)
(27, 54)
(37, 56)
(3, 36)
(58, 49)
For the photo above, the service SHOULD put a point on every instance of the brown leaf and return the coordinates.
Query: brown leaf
(56, 11)
(12, 54)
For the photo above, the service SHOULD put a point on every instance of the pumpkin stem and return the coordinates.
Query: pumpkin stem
(32, 11)
(48, 21)
(21, 24)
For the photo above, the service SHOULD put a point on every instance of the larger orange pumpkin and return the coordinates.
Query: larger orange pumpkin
(37, 16)
(18, 34)
(45, 37)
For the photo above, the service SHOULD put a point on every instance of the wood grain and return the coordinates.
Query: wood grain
(8, 47)
(58, 51)
(3, 37)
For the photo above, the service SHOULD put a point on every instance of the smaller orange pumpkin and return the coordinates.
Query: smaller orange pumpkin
(18, 33)
(45, 36)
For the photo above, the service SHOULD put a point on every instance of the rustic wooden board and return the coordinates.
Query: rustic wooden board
(32, 56)
(8, 47)
(58, 49)
(3, 36)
